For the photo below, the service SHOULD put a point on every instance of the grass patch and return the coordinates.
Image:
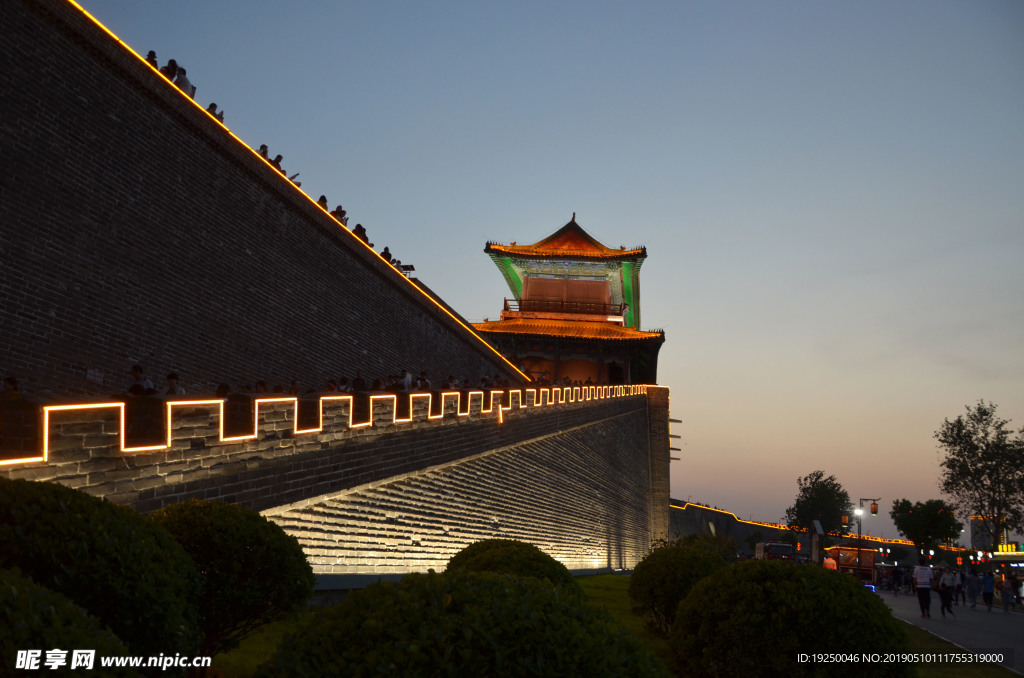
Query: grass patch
(923, 641)
(258, 647)
(611, 591)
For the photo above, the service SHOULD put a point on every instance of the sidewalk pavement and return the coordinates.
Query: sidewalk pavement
(976, 630)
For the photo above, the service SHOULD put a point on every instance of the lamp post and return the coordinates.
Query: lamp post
(859, 511)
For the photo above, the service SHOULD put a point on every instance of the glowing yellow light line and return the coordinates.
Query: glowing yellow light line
(780, 526)
(547, 397)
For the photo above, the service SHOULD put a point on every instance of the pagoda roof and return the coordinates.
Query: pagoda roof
(568, 242)
(573, 329)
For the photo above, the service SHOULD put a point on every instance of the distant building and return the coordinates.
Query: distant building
(574, 311)
(983, 528)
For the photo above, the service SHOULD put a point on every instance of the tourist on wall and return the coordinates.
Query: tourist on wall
(140, 380)
(173, 387)
(212, 110)
(10, 391)
(184, 84)
(170, 70)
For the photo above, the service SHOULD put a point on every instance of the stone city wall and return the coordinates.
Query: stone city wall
(379, 486)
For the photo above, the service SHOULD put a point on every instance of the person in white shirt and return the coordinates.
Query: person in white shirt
(923, 583)
(183, 83)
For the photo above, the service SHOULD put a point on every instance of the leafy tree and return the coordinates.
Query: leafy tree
(755, 617)
(106, 558)
(665, 576)
(252, 571)
(723, 546)
(983, 469)
(511, 557)
(752, 539)
(819, 498)
(926, 524)
(788, 537)
(33, 616)
(900, 554)
(461, 623)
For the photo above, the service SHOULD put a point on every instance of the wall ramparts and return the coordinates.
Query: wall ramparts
(284, 458)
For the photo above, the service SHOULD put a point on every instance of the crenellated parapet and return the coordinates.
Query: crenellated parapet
(148, 452)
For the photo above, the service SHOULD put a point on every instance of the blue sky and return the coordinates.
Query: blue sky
(831, 194)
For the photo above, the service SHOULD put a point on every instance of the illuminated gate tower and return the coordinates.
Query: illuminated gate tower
(575, 310)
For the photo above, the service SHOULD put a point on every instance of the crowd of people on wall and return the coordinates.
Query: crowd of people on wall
(141, 385)
(179, 77)
(405, 381)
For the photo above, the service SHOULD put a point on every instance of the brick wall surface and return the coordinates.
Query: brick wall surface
(580, 495)
(136, 229)
(658, 432)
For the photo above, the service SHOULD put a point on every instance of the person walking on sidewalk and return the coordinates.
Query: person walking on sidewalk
(988, 588)
(1007, 594)
(973, 587)
(947, 588)
(923, 583)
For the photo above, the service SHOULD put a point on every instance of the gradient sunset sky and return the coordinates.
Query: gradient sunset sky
(831, 193)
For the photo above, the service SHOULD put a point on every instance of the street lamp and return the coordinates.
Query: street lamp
(859, 512)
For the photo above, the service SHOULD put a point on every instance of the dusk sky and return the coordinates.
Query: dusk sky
(831, 193)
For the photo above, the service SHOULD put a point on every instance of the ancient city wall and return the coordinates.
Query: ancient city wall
(383, 486)
(134, 228)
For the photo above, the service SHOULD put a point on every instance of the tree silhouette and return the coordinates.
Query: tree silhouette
(819, 498)
(983, 470)
(926, 524)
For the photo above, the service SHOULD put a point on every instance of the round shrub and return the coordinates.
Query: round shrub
(754, 617)
(106, 558)
(461, 624)
(508, 556)
(664, 578)
(35, 618)
(253, 572)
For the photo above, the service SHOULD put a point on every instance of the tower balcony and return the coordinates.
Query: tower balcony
(576, 310)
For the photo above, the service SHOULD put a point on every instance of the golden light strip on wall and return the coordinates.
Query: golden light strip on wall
(400, 275)
(324, 401)
(780, 526)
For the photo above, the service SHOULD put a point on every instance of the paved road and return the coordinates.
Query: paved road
(977, 630)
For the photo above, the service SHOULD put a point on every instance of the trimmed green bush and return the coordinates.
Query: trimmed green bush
(106, 558)
(253, 572)
(664, 578)
(754, 617)
(508, 556)
(461, 624)
(35, 618)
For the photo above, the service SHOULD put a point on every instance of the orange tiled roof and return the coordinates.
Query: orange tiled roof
(564, 328)
(570, 241)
